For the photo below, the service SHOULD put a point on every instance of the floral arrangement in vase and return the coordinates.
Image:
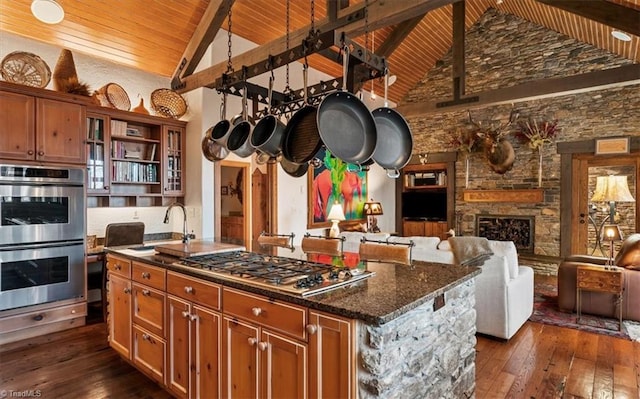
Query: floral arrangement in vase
(536, 134)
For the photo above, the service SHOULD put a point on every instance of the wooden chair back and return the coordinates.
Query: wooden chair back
(276, 240)
(322, 245)
(385, 251)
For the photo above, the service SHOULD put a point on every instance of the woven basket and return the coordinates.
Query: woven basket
(168, 103)
(114, 96)
(26, 69)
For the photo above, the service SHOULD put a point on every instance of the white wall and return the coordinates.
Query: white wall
(204, 111)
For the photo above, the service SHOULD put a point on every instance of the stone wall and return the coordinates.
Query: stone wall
(422, 354)
(503, 50)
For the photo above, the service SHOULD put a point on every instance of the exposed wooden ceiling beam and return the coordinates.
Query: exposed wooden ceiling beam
(458, 70)
(620, 17)
(397, 36)
(545, 88)
(202, 37)
(382, 13)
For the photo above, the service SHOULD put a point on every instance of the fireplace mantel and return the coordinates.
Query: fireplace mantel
(532, 195)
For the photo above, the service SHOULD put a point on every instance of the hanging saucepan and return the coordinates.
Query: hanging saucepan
(211, 149)
(346, 126)
(269, 132)
(294, 169)
(395, 142)
(221, 130)
(301, 137)
(239, 139)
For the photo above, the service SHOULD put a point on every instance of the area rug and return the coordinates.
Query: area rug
(546, 311)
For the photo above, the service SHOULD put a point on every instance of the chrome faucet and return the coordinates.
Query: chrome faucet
(185, 235)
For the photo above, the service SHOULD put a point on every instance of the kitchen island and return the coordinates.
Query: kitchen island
(406, 331)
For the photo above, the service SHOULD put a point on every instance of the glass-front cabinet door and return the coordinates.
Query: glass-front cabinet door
(97, 154)
(174, 156)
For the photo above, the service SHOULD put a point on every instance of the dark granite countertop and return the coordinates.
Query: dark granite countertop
(392, 291)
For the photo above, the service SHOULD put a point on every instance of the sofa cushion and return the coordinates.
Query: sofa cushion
(629, 255)
(509, 251)
(418, 241)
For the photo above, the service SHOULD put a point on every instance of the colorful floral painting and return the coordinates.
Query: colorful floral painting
(334, 180)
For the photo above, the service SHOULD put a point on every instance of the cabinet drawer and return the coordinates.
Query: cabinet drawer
(149, 353)
(119, 266)
(148, 308)
(152, 276)
(41, 317)
(279, 316)
(192, 289)
(599, 280)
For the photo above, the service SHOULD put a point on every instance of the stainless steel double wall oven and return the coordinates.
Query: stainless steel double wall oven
(42, 230)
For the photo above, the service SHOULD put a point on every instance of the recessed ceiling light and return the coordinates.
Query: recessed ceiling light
(47, 11)
(621, 35)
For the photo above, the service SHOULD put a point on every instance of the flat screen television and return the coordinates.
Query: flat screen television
(424, 205)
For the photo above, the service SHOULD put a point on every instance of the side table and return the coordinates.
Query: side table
(599, 279)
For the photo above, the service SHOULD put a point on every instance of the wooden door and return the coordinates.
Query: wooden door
(283, 367)
(173, 157)
(258, 203)
(60, 132)
(17, 118)
(148, 353)
(240, 364)
(206, 354)
(331, 357)
(178, 348)
(120, 314)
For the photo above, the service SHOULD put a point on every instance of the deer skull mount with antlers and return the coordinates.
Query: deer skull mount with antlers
(498, 151)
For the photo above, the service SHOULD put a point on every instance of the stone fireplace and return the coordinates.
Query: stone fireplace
(516, 228)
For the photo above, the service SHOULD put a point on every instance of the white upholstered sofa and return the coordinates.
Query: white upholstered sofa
(504, 289)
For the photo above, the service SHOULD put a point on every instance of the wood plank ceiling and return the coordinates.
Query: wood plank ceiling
(152, 34)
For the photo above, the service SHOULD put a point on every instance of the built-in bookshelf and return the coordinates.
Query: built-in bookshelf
(133, 159)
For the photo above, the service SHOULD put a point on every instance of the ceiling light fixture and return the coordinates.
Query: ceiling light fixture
(620, 35)
(392, 79)
(47, 11)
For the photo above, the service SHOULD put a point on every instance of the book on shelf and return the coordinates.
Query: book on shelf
(152, 152)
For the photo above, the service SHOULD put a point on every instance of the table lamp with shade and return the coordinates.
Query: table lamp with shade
(612, 189)
(611, 233)
(372, 209)
(336, 214)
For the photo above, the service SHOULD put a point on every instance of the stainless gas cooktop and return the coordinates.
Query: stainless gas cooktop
(295, 276)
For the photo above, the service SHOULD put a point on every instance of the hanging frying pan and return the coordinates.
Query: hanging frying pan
(395, 142)
(301, 137)
(345, 124)
(239, 139)
(294, 169)
(269, 132)
(211, 149)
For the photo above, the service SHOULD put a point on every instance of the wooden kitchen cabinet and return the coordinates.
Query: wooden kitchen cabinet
(173, 154)
(332, 369)
(119, 299)
(148, 308)
(264, 347)
(41, 129)
(148, 353)
(98, 155)
(425, 228)
(193, 338)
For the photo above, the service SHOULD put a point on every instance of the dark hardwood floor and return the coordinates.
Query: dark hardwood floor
(539, 362)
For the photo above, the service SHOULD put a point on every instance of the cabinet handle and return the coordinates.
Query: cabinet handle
(193, 317)
(30, 152)
(40, 153)
(146, 275)
(106, 187)
(263, 346)
(146, 292)
(252, 341)
(127, 290)
(117, 267)
(312, 328)
(185, 314)
(38, 317)
(256, 311)
(188, 289)
(146, 337)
